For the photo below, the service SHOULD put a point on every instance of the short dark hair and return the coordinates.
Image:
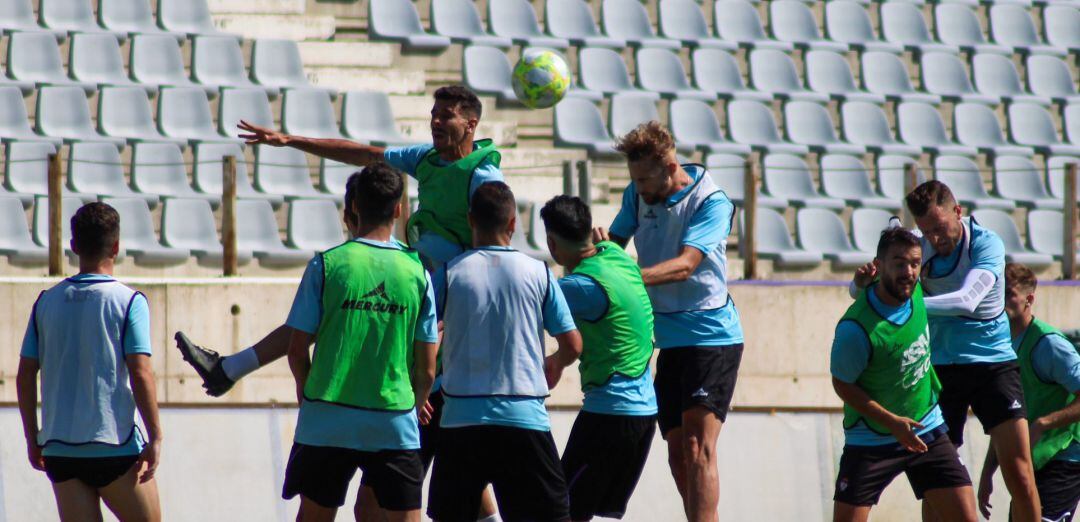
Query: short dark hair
(932, 192)
(95, 228)
(462, 97)
(374, 192)
(350, 197)
(492, 206)
(896, 236)
(1020, 276)
(567, 217)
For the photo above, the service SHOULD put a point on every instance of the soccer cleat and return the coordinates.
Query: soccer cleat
(207, 364)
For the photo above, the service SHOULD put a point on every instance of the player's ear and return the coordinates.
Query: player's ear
(114, 250)
(397, 210)
(1030, 299)
(511, 226)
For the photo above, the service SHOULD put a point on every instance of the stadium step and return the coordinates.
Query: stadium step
(347, 54)
(263, 7)
(293, 27)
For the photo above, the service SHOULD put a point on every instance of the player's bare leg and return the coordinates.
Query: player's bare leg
(131, 500)
(311, 511)
(693, 463)
(953, 504)
(843, 512)
(367, 507)
(677, 463)
(1013, 449)
(77, 501)
(487, 504)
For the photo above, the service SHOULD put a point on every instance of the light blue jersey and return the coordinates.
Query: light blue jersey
(621, 395)
(435, 248)
(707, 231)
(1054, 359)
(850, 356)
(333, 425)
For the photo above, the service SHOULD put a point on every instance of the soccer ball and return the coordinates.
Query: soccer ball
(541, 78)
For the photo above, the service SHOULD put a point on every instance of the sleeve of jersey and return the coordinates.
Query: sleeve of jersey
(585, 298)
(427, 325)
(306, 311)
(137, 333)
(625, 223)
(850, 352)
(30, 339)
(438, 281)
(710, 224)
(1055, 360)
(405, 158)
(485, 173)
(557, 317)
(964, 301)
(988, 253)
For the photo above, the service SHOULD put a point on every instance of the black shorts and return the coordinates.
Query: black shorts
(603, 460)
(695, 376)
(429, 434)
(521, 465)
(322, 474)
(1058, 483)
(992, 390)
(866, 471)
(96, 472)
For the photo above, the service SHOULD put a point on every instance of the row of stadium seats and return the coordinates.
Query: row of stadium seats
(178, 18)
(736, 23)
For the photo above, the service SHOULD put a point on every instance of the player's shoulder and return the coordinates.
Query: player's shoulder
(985, 242)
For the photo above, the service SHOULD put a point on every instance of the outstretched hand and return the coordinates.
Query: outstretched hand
(903, 429)
(865, 275)
(256, 135)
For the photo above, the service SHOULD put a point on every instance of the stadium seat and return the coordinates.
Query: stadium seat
(63, 112)
(459, 20)
(130, 17)
(96, 168)
(184, 112)
(26, 169)
(751, 123)
(1055, 175)
(809, 124)
(367, 116)
(538, 233)
(892, 175)
(1059, 25)
(944, 74)
(251, 105)
(257, 233)
(18, 15)
(191, 17)
(996, 76)
(124, 112)
(95, 58)
(34, 56)
(276, 63)
(137, 237)
(398, 21)
(15, 241)
(920, 124)
(848, 22)
(845, 177)
(628, 110)
(25, 87)
(218, 61)
(156, 61)
(68, 207)
(683, 20)
(717, 71)
(829, 73)
(1046, 232)
(73, 16)
(1031, 125)
(1049, 77)
(884, 73)
(791, 21)
(738, 21)
(956, 24)
(903, 23)
(573, 20)
(865, 124)
(189, 224)
(963, 177)
(520, 239)
(208, 172)
(1015, 251)
(627, 20)
(823, 231)
(1071, 125)
(314, 224)
(578, 123)
(309, 112)
(866, 227)
(789, 178)
(977, 126)
(1011, 25)
(774, 72)
(158, 168)
(14, 124)
(517, 20)
(694, 124)
(333, 176)
(728, 172)
(661, 70)
(603, 70)
(774, 242)
(284, 171)
(487, 70)
(1017, 178)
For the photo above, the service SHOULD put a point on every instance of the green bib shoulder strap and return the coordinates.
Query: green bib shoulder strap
(444, 194)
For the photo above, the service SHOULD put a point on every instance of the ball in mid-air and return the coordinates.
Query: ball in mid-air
(541, 78)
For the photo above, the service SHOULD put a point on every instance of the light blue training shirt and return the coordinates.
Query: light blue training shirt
(136, 341)
(333, 425)
(710, 225)
(851, 355)
(1054, 359)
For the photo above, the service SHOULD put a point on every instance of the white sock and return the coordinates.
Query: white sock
(240, 364)
(492, 518)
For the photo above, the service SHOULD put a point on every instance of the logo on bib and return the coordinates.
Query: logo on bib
(375, 300)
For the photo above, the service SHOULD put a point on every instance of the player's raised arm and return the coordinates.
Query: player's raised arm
(345, 151)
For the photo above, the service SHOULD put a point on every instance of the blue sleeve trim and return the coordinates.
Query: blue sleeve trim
(127, 317)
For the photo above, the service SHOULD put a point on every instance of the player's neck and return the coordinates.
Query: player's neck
(491, 239)
(584, 254)
(97, 266)
(460, 151)
(1021, 323)
(681, 181)
(381, 233)
(885, 297)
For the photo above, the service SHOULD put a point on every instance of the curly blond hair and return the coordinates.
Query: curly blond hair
(650, 140)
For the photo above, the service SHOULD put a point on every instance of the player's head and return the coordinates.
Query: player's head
(1020, 284)
(898, 260)
(454, 116)
(95, 232)
(650, 157)
(937, 215)
(492, 210)
(349, 216)
(375, 195)
(569, 228)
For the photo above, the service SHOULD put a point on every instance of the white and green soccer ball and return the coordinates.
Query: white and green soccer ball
(541, 78)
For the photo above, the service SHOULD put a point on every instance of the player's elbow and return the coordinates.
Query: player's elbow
(570, 342)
